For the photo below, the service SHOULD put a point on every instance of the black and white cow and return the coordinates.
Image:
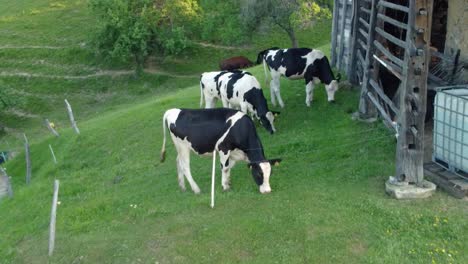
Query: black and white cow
(297, 63)
(228, 131)
(237, 89)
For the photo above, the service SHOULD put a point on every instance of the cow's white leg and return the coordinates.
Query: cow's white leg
(210, 102)
(225, 103)
(226, 165)
(180, 175)
(184, 158)
(272, 94)
(309, 92)
(275, 86)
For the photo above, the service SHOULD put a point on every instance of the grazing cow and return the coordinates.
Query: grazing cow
(239, 90)
(298, 63)
(228, 131)
(235, 63)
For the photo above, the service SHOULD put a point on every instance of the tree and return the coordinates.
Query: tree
(133, 29)
(286, 14)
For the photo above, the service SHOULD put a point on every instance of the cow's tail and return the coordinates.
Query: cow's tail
(163, 149)
(265, 69)
(201, 94)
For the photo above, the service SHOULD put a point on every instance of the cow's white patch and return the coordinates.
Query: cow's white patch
(266, 169)
(331, 89)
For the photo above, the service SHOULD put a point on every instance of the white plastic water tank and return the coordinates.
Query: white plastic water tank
(451, 128)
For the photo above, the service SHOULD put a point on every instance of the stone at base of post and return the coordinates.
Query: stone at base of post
(403, 190)
(363, 118)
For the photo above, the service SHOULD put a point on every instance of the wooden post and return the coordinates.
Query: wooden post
(4, 157)
(410, 146)
(53, 154)
(351, 72)
(213, 172)
(51, 129)
(342, 35)
(72, 118)
(53, 215)
(336, 8)
(366, 108)
(28, 159)
(8, 182)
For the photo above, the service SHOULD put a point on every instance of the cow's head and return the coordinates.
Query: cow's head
(267, 121)
(261, 173)
(331, 88)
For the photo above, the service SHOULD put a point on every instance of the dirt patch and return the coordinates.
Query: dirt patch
(110, 73)
(210, 45)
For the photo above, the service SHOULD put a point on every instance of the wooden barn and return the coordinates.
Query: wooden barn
(399, 53)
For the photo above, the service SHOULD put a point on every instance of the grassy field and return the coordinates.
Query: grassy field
(119, 204)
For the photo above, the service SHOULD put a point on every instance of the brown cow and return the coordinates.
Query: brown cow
(235, 63)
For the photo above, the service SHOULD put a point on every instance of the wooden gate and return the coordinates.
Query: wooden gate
(394, 35)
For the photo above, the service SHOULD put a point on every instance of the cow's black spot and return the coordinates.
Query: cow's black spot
(232, 81)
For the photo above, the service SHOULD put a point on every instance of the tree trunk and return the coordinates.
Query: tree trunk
(292, 36)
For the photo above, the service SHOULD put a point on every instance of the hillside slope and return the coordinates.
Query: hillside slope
(119, 204)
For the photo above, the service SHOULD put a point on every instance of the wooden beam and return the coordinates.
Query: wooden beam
(342, 35)
(389, 66)
(387, 4)
(363, 33)
(383, 96)
(391, 38)
(393, 21)
(388, 54)
(352, 69)
(364, 23)
(367, 108)
(334, 33)
(72, 118)
(410, 145)
(51, 129)
(382, 111)
(365, 10)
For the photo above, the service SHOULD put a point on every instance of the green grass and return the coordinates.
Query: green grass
(327, 206)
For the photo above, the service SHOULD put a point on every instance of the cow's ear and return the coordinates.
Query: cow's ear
(338, 77)
(275, 162)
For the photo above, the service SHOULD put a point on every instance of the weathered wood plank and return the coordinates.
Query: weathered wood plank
(387, 4)
(392, 21)
(391, 38)
(342, 35)
(389, 66)
(363, 33)
(365, 10)
(383, 96)
(334, 33)
(446, 185)
(364, 23)
(410, 148)
(382, 111)
(388, 54)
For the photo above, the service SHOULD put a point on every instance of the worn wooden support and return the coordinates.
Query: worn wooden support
(342, 35)
(393, 68)
(383, 96)
(51, 129)
(413, 94)
(53, 216)
(391, 38)
(27, 154)
(72, 118)
(334, 33)
(388, 54)
(366, 108)
(392, 21)
(53, 154)
(352, 72)
(382, 111)
(7, 180)
(393, 6)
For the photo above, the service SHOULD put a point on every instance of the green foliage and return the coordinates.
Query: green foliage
(222, 23)
(286, 14)
(134, 29)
